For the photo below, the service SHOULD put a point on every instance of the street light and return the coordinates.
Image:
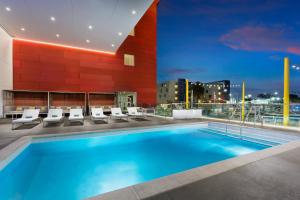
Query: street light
(296, 67)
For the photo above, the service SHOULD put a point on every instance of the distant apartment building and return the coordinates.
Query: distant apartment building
(175, 91)
(217, 91)
(171, 91)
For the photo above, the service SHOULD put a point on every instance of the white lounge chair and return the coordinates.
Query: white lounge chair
(97, 114)
(28, 117)
(116, 113)
(54, 116)
(133, 112)
(76, 115)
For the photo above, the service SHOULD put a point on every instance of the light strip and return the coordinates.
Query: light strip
(65, 46)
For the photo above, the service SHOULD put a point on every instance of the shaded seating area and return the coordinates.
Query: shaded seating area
(16, 101)
(55, 106)
(67, 101)
(106, 101)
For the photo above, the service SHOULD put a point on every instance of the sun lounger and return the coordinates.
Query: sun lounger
(133, 112)
(54, 116)
(116, 113)
(28, 117)
(97, 114)
(76, 115)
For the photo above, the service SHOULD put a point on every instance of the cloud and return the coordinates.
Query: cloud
(183, 71)
(261, 38)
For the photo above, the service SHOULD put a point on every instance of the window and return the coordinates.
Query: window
(132, 33)
(128, 60)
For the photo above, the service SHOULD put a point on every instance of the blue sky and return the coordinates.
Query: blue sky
(209, 40)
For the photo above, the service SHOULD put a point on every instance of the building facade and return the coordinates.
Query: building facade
(217, 91)
(171, 91)
(37, 66)
(175, 92)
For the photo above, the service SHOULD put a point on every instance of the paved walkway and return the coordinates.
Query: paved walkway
(273, 178)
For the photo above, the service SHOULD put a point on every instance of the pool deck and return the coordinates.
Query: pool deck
(272, 173)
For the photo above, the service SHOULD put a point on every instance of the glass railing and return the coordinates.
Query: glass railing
(258, 114)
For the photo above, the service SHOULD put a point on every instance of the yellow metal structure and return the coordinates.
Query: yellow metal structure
(186, 94)
(286, 97)
(243, 101)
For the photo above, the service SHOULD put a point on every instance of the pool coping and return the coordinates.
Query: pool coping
(156, 186)
(174, 181)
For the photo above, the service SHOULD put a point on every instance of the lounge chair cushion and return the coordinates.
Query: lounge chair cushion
(97, 113)
(133, 111)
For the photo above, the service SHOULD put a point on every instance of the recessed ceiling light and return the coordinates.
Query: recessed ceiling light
(22, 29)
(90, 27)
(112, 45)
(88, 41)
(133, 12)
(7, 9)
(52, 19)
(120, 33)
(57, 35)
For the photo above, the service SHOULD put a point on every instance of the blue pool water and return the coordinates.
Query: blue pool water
(82, 168)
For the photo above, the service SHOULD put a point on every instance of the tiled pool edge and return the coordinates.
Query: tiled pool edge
(164, 184)
(10, 152)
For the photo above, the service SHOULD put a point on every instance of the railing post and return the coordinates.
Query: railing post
(286, 96)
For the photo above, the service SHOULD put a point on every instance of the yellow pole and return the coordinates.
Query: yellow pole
(243, 101)
(186, 94)
(286, 97)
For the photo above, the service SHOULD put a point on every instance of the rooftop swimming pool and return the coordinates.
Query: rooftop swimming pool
(78, 168)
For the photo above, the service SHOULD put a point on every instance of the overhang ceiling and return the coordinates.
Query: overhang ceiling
(111, 21)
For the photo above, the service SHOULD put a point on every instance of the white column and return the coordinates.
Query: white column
(6, 65)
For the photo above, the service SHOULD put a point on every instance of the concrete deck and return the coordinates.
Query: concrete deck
(276, 178)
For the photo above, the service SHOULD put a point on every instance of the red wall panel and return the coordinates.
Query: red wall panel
(51, 68)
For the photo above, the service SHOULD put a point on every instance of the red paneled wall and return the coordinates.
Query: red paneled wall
(30, 99)
(101, 99)
(50, 68)
(67, 99)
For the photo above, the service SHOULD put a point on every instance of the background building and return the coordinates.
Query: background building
(171, 91)
(175, 91)
(217, 91)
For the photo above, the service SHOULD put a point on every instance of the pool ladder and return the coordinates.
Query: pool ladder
(240, 131)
